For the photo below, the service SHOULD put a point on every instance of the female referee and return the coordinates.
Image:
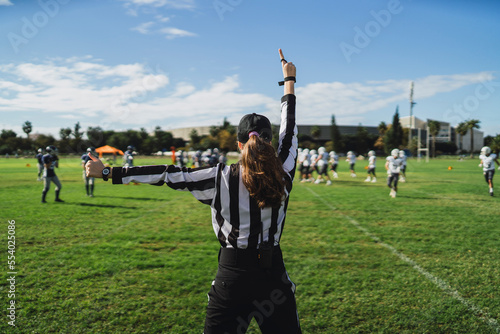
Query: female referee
(249, 202)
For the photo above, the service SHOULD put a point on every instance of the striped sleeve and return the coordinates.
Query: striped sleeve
(288, 142)
(199, 181)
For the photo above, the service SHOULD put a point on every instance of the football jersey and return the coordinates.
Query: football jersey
(52, 162)
(334, 159)
(394, 165)
(372, 161)
(39, 157)
(489, 162)
(351, 159)
(323, 159)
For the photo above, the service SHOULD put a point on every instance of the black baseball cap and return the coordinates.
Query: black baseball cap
(257, 123)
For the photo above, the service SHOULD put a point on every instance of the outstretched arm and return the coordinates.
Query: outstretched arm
(289, 70)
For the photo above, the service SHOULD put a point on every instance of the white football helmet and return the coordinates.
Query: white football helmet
(485, 150)
(349, 153)
(371, 153)
(395, 152)
(402, 154)
(321, 150)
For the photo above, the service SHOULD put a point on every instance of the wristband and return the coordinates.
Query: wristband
(105, 173)
(281, 83)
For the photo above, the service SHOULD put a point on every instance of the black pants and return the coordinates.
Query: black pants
(242, 291)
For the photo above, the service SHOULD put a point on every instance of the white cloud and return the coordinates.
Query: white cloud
(5, 3)
(127, 94)
(143, 28)
(134, 95)
(171, 33)
(318, 101)
(178, 4)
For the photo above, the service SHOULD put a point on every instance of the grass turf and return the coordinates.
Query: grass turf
(140, 259)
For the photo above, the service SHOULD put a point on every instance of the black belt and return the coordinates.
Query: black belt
(245, 258)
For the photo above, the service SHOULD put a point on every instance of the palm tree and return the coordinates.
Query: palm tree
(434, 127)
(471, 125)
(461, 129)
(27, 128)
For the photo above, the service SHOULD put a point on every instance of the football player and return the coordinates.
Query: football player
(50, 162)
(488, 160)
(402, 156)
(351, 159)
(334, 160)
(89, 181)
(322, 164)
(371, 167)
(39, 157)
(128, 157)
(393, 166)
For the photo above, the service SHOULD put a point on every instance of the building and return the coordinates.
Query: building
(324, 135)
(447, 133)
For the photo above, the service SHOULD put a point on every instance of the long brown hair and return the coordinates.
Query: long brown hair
(262, 172)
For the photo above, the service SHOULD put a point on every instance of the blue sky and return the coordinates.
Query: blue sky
(127, 64)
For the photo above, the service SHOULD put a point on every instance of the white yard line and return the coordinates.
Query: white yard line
(443, 285)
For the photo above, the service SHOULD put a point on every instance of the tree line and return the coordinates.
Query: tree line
(223, 137)
(73, 140)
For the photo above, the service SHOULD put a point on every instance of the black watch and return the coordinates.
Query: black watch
(105, 173)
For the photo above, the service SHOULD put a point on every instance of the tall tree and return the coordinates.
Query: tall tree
(434, 127)
(8, 134)
(461, 129)
(27, 128)
(394, 135)
(95, 136)
(335, 135)
(362, 139)
(471, 125)
(76, 132)
(64, 133)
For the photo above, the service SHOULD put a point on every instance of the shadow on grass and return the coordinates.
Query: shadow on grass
(105, 206)
(138, 198)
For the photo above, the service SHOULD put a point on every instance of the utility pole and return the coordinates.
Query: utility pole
(411, 113)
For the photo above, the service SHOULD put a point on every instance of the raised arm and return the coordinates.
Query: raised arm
(288, 143)
(289, 71)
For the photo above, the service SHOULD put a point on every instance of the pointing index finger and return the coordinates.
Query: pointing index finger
(92, 157)
(281, 55)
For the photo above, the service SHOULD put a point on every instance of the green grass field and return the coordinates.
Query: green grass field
(141, 259)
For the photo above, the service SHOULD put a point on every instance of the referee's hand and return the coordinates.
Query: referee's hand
(94, 167)
(288, 67)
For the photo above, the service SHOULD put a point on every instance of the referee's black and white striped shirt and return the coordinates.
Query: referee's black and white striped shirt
(236, 218)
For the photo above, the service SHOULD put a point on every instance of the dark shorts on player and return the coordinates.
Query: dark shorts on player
(351, 166)
(305, 170)
(488, 175)
(334, 167)
(323, 170)
(371, 170)
(393, 177)
(242, 291)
